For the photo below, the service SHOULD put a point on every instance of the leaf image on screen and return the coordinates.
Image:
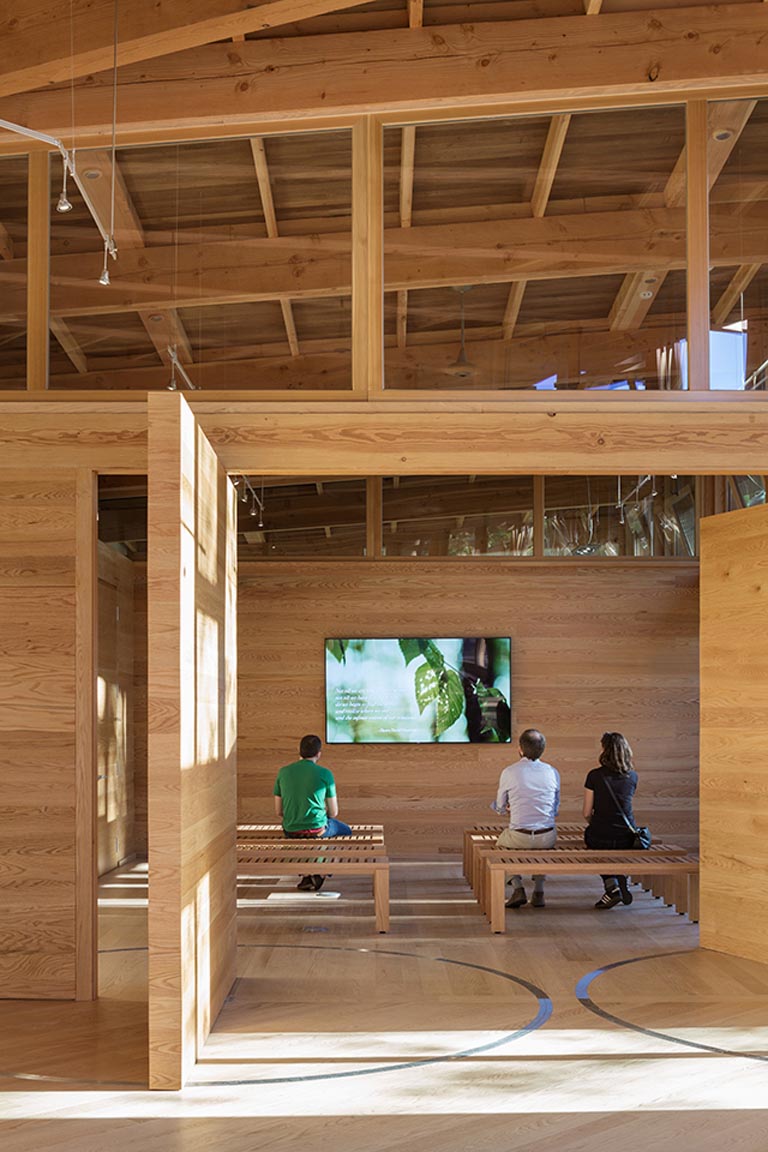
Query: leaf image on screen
(417, 690)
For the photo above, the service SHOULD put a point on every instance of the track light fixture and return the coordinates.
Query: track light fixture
(63, 203)
(244, 490)
(178, 368)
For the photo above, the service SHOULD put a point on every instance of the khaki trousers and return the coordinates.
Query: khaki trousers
(519, 842)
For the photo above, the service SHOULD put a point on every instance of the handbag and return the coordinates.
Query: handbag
(642, 835)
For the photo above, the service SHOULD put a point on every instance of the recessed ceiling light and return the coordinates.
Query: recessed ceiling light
(722, 134)
(92, 174)
(155, 317)
(646, 295)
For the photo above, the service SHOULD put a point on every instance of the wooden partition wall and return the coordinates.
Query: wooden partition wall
(734, 733)
(606, 645)
(47, 830)
(192, 573)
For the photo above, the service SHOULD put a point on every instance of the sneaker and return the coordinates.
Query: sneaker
(517, 899)
(538, 901)
(609, 899)
(306, 884)
(317, 882)
(626, 895)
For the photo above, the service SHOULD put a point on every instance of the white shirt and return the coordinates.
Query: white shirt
(530, 791)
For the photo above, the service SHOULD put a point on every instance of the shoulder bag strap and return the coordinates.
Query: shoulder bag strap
(619, 808)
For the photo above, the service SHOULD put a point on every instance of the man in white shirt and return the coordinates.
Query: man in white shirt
(529, 791)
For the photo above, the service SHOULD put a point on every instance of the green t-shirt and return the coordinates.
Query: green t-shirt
(304, 787)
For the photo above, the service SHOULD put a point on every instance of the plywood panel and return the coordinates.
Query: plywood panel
(47, 524)
(594, 647)
(115, 710)
(734, 733)
(192, 731)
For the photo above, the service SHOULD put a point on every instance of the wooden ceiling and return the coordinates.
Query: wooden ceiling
(567, 230)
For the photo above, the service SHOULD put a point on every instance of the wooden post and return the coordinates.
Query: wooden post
(86, 968)
(38, 268)
(367, 258)
(697, 171)
(373, 518)
(538, 516)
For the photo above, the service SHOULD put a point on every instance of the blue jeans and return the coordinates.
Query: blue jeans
(333, 828)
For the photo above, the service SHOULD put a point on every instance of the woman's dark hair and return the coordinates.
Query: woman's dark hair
(309, 747)
(616, 756)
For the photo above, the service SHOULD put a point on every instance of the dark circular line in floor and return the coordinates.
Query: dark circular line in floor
(542, 1015)
(582, 995)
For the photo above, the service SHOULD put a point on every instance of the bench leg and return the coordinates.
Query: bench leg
(495, 882)
(693, 897)
(381, 898)
(680, 894)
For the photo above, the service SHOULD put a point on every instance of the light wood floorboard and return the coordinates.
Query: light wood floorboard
(321, 994)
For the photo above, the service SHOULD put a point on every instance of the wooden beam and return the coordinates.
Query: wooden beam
(489, 252)
(62, 333)
(592, 7)
(36, 38)
(740, 281)
(697, 271)
(6, 244)
(373, 518)
(545, 178)
(512, 310)
(390, 437)
(166, 330)
(602, 356)
(367, 258)
(37, 269)
(518, 63)
(727, 121)
(259, 153)
(553, 150)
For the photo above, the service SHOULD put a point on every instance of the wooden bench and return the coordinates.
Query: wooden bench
(369, 833)
(334, 855)
(681, 866)
(504, 856)
(484, 836)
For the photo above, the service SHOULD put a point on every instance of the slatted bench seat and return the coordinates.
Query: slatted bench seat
(337, 856)
(484, 855)
(484, 836)
(370, 833)
(683, 867)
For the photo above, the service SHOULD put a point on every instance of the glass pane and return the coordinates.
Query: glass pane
(738, 143)
(458, 516)
(750, 489)
(535, 252)
(325, 518)
(214, 267)
(640, 516)
(13, 273)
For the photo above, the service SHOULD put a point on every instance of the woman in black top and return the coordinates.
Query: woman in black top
(607, 828)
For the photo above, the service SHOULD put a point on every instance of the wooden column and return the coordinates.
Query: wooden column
(38, 268)
(192, 591)
(373, 517)
(367, 258)
(86, 586)
(697, 172)
(538, 516)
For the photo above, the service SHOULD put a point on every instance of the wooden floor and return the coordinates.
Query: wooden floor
(427, 1038)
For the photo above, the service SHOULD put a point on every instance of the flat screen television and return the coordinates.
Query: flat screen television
(417, 690)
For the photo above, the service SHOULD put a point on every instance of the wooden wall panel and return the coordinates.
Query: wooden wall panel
(734, 733)
(47, 866)
(192, 573)
(140, 710)
(594, 647)
(115, 723)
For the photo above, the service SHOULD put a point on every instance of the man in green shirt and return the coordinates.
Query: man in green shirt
(306, 802)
